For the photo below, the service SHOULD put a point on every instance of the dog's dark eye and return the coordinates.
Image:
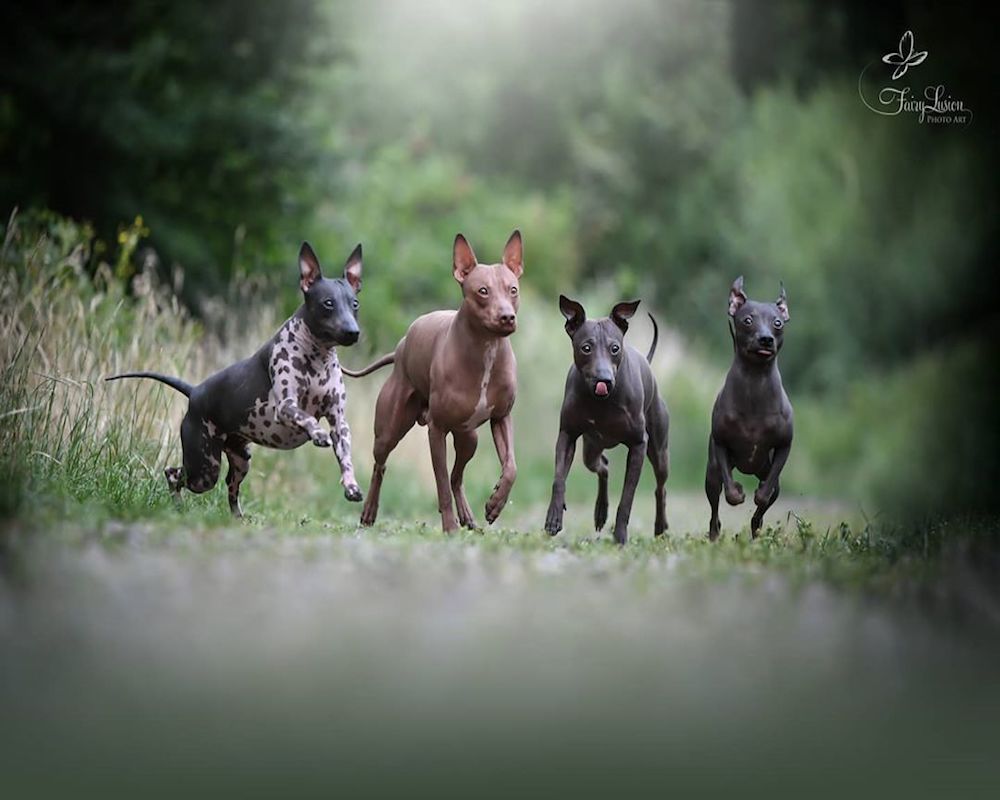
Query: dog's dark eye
(328, 303)
(778, 323)
(614, 349)
(355, 305)
(513, 290)
(586, 349)
(483, 291)
(748, 321)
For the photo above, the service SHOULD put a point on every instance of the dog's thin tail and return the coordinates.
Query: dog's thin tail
(387, 359)
(656, 338)
(173, 383)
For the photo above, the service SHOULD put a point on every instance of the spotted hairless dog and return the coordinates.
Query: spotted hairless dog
(453, 371)
(276, 397)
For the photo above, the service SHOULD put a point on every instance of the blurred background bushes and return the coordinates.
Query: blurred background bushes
(655, 149)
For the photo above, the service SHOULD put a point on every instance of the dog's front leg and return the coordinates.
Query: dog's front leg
(733, 488)
(633, 469)
(439, 461)
(342, 449)
(764, 494)
(565, 450)
(503, 438)
(286, 401)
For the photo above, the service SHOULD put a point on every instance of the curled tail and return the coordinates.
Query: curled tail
(384, 361)
(173, 383)
(656, 338)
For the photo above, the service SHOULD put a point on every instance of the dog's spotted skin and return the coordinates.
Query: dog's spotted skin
(307, 385)
(277, 397)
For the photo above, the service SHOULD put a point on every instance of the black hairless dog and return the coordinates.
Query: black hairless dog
(752, 418)
(611, 398)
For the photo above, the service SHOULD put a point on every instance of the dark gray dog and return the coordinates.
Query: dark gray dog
(610, 399)
(276, 397)
(752, 418)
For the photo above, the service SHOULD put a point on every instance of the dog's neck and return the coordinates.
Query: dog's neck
(755, 379)
(306, 339)
(477, 335)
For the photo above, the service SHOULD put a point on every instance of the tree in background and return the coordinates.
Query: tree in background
(187, 113)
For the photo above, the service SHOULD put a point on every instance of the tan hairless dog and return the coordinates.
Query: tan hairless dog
(453, 371)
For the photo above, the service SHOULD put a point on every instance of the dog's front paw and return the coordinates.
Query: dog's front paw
(554, 519)
(353, 493)
(496, 503)
(762, 496)
(321, 438)
(175, 478)
(735, 496)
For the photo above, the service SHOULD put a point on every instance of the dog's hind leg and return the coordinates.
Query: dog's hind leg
(713, 489)
(465, 448)
(396, 410)
(238, 455)
(202, 457)
(595, 460)
(659, 457)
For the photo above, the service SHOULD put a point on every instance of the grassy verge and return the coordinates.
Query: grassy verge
(74, 450)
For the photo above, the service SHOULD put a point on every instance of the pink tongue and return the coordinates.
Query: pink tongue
(601, 390)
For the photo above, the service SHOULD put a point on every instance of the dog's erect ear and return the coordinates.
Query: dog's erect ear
(736, 296)
(309, 271)
(352, 269)
(623, 312)
(574, 313)
(463, 259)
(782, 303)
(512, 254)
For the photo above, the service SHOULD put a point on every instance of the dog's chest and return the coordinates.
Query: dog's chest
(750, 438)
(308, 374)
(610, 426)
(474, 398)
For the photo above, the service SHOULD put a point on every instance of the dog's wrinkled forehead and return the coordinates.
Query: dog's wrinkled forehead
(336, 289)
(598, 330)
(492, 276)
(758, 312)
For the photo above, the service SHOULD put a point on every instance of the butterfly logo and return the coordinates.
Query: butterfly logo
(905, 58)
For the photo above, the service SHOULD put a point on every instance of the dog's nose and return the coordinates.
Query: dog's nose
(766, 341)
(508, 319)
(350, 337)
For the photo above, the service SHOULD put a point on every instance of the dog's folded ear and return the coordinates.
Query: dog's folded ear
(782, 303)
(463, 259)
(573, 312)
(623, 312)
(512, 254)
(737, 297)
(352, 269)
(309, 271)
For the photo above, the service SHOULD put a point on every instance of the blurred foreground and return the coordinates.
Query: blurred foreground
(145, 660)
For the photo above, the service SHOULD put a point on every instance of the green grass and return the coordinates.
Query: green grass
(74, 448)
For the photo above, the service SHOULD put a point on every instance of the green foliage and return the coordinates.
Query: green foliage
(822, 194)
(637, 147)
(187, 114)
(408, 226)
